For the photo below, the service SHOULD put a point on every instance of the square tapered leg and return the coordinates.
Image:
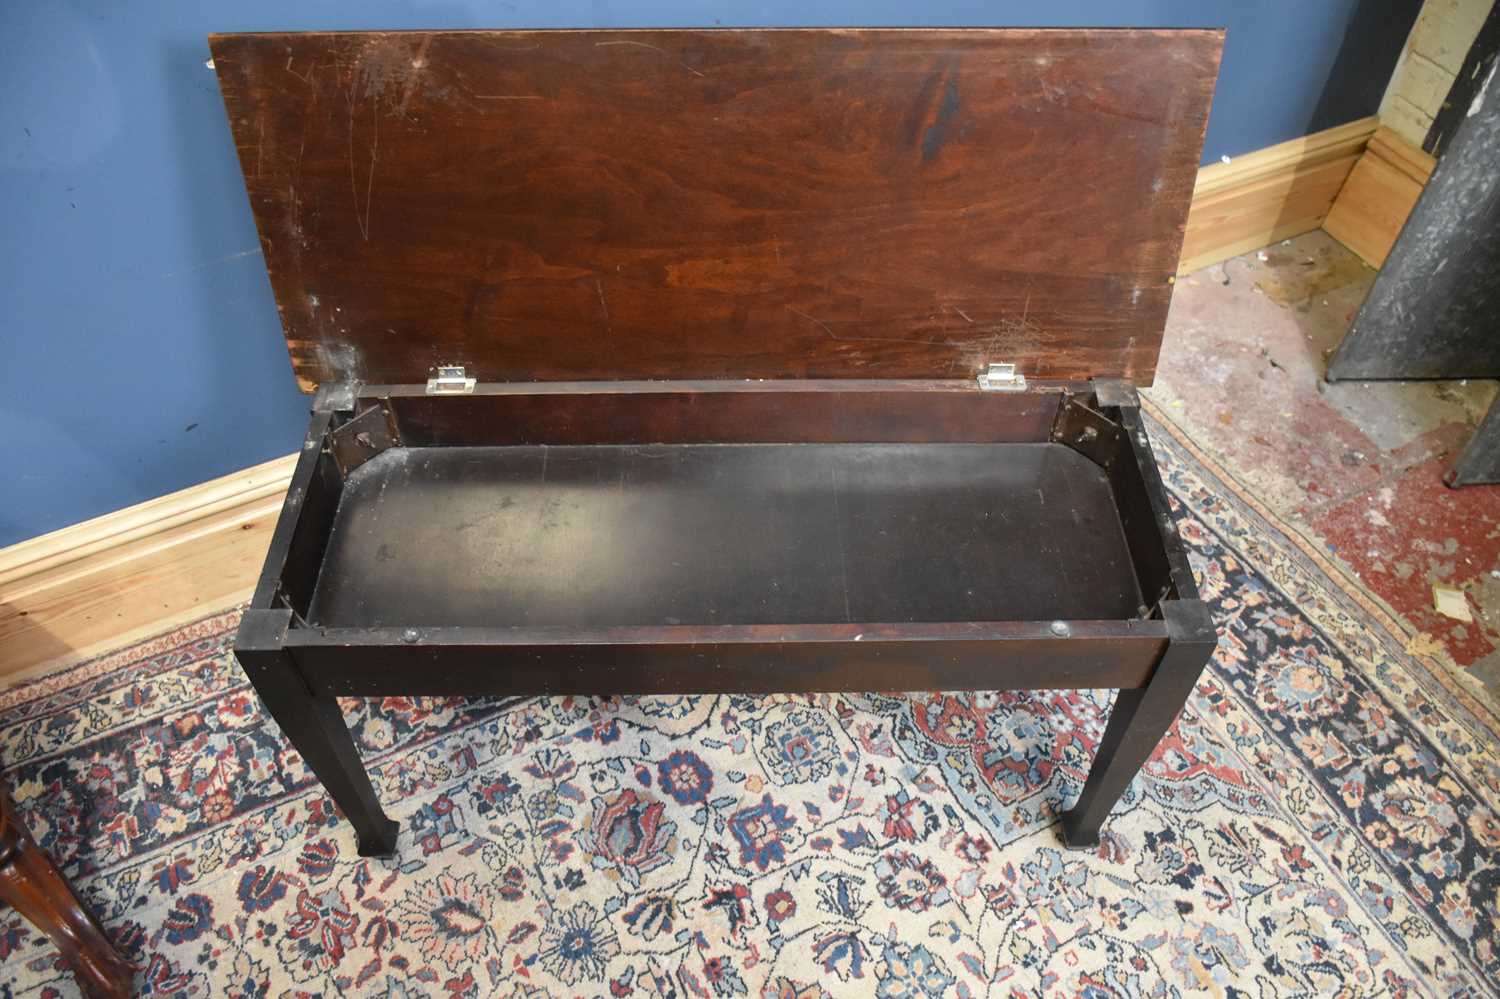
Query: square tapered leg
(315, 727)
(1140, 718)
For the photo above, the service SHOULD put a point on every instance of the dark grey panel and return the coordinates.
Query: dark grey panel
(1434, 311)
(725, 534)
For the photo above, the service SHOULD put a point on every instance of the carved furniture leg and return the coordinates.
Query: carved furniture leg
(32, 885)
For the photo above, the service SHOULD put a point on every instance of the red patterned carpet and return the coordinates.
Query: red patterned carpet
(1322, 821)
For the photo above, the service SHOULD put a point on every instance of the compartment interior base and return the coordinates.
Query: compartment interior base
(714, 534)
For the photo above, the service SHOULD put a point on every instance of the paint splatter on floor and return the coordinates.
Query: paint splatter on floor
(1356, 467)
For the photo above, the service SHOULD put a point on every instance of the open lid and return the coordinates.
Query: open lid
(826, 203)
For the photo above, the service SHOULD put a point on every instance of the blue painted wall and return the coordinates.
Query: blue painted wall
(141, 352)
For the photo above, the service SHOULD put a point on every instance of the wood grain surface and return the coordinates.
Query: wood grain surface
(1379, 195)
(708, 204)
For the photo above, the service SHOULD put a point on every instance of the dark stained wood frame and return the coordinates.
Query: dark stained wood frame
(300, 668)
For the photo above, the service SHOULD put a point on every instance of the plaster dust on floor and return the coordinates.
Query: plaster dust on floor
(1354, 467)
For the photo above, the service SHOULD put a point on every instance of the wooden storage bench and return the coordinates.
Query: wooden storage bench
(740, 361)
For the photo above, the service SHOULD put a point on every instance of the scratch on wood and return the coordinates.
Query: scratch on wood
(820, 323)
(867, 339)
(1015, 333)
(599, 286)
(506, 97)
(294, 212)
(654, 48)
(305, 78)
(363, 218)
(639, 45)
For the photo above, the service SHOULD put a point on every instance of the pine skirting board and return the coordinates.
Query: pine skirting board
(1269, 195)
(1381, 191)
(107, 581)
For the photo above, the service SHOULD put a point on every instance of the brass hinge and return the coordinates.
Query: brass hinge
(451, 379)
(1002, 378)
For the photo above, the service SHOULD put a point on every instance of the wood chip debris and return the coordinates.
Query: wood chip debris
(1450, 601)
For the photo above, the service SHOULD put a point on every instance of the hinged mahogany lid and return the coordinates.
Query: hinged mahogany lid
(578, 205)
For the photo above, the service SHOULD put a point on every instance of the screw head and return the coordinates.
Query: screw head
(1061, 629)
(410, 636)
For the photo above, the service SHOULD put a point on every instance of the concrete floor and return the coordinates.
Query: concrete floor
(1356, 467)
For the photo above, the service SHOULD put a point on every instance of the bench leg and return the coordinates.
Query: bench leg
(315, 727)
(1140, 718)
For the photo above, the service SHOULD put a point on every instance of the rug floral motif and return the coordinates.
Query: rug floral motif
(1320, 821)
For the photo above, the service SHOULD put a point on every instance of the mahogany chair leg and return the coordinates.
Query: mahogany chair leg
(315, 727)
(32, 885)
(1140, 718)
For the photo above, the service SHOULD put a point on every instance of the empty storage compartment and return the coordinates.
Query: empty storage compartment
(720, 506)
(702, 534)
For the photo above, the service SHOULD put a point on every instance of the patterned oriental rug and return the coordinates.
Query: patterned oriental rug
(1322, 821)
